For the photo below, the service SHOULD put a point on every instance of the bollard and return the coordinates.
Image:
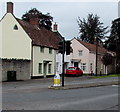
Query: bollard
(57, 80)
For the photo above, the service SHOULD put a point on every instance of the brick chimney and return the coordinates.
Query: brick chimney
(55, 27)
(34, 21)
(10, 7)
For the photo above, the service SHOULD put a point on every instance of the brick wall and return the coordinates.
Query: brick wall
(22, 68)
(110, 68)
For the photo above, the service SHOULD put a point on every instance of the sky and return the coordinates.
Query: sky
(65, 13)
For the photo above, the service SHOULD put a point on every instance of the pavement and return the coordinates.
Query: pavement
(69, 83)
(91, 83)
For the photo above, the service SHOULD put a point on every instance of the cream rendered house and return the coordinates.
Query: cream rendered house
(16, 48)
(27, 50)
(44, 47)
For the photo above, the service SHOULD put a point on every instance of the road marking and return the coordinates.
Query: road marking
(115, 85)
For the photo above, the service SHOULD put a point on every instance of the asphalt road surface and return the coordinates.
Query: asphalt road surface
(34, 98)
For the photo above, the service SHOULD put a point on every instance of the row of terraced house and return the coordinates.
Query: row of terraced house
(30, 51)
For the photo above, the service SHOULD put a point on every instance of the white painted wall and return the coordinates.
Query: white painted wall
(67, 60)
(16, 44)
(39, 57)
(92, 59)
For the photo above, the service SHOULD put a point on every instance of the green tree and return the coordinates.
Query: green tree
(113, 42)
(45, 20)
(107, 59)
(91, 28)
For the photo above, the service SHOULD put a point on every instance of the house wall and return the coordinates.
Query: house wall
(15, 49)
(39, 57)
(16, 44)
(92, 60)
(76, 46)
(67, 60)
(22, 68)
(100, 65)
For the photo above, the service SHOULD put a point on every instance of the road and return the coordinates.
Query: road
(29, 96)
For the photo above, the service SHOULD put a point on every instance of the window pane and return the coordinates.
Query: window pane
(40, 68)
(80, 52)
(42, 49)
(83, 66)
(49, 68)
(91, 67)
(50, 50)
(15, 27)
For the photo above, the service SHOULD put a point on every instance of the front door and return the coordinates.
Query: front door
(44, 69)
(75, 64)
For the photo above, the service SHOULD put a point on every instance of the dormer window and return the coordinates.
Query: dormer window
(15, 27)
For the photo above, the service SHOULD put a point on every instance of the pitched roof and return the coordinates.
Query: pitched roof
(41, 36)
(92, 47)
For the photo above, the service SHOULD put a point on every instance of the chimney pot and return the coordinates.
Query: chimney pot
(10, 7)
(55, 27)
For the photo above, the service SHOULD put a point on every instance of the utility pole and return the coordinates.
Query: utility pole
(62, 51)
(96, 55)
(63, 65)
(64, 46)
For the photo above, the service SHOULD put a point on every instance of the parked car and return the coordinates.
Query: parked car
(74, 71)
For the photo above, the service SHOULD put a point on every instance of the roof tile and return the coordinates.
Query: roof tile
(41, 36)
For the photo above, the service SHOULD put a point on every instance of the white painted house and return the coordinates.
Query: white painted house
(16, 47)
(27, 49)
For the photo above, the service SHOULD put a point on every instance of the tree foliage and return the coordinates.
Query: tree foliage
(45, 20)
(113, 42)
(107, 59)
(91, 28)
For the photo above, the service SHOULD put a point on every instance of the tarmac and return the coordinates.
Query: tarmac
(88, 85)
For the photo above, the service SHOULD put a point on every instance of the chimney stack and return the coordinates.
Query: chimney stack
(10, 7)
(34, 21)
(55, 27)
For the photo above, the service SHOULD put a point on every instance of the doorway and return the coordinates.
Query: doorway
(44, 69)
(75, 64)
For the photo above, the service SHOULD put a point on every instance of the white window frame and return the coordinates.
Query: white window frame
(91, 66)
(83, 66)
(80, 52)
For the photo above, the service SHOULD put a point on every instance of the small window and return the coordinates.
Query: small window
(49, 68)
(57, 66)
(40, 68)
(15, 27)
(50, 50)
(91, 66)
(42, 49)
(83, 66)
(80, 52)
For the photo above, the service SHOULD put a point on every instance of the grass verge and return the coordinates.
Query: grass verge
(113, 75)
